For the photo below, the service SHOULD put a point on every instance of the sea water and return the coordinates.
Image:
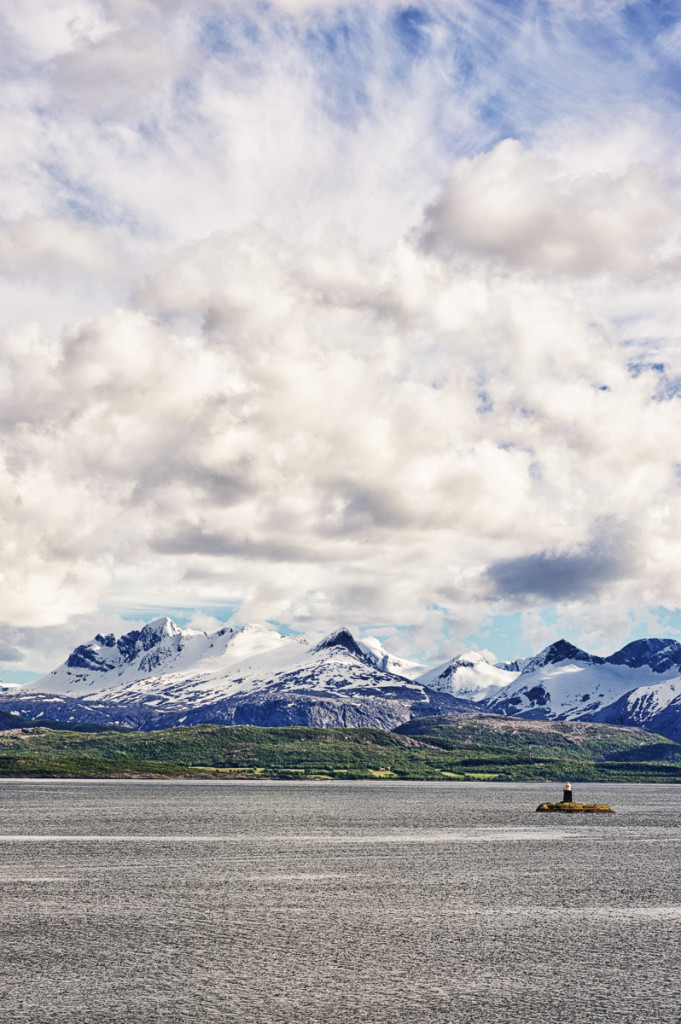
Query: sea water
(321, 903)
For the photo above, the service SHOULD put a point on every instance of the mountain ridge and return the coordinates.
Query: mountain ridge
(163, 675)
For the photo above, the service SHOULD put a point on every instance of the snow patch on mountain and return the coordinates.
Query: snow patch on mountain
(387, 662)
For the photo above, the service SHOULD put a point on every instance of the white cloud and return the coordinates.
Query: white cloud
(364, 364)
(41, 648)
(55, 248)
(46, 29)
(531, 210)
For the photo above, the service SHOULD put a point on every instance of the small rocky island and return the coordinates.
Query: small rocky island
(570, 806)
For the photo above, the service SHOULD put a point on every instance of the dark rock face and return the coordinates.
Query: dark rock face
(561, 650)
(149, 636)
(658, 655)
(150, 661)
(42, 709)
(668, 720)
(539, 705)
(87, 657)
(538, 695)
(125, 650)
(343, 639)
(106, 641)
(90, 657)
(516, 665)
(127, 644)
(298, 709)
(449, 671)
(362, 707)
(8, 721)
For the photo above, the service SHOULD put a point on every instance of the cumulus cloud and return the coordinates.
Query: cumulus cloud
(305, 318)
(532, 210)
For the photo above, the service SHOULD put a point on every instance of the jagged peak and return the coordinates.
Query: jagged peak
(164, 625)
(340, 638)
(95, 655)
(104, 640)
(561, 650)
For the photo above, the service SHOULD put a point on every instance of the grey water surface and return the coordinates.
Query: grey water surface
(321, 903)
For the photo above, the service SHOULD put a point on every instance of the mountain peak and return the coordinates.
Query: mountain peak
(163, 625)
(658, 654)
(157, 630)
(255, 627)
(342, 638)
(470, 659)
(560, 650)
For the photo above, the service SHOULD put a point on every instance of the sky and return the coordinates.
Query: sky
(327, 314)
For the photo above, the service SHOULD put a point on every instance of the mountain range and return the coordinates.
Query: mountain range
(163, 676)
(638, 685)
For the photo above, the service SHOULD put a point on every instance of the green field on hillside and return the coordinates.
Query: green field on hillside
(473, 748)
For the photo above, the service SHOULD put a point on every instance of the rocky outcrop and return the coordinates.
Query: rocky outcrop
(572, 807)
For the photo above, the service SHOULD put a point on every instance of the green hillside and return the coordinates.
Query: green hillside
(589, 740)
(473, 747)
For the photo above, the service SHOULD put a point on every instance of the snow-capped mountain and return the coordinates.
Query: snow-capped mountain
(387, 662)
(163, 675)
(633, 686)
(162, 655)
(470, 676)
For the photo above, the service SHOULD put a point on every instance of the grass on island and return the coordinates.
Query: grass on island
(573, 807)
(474, 748)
